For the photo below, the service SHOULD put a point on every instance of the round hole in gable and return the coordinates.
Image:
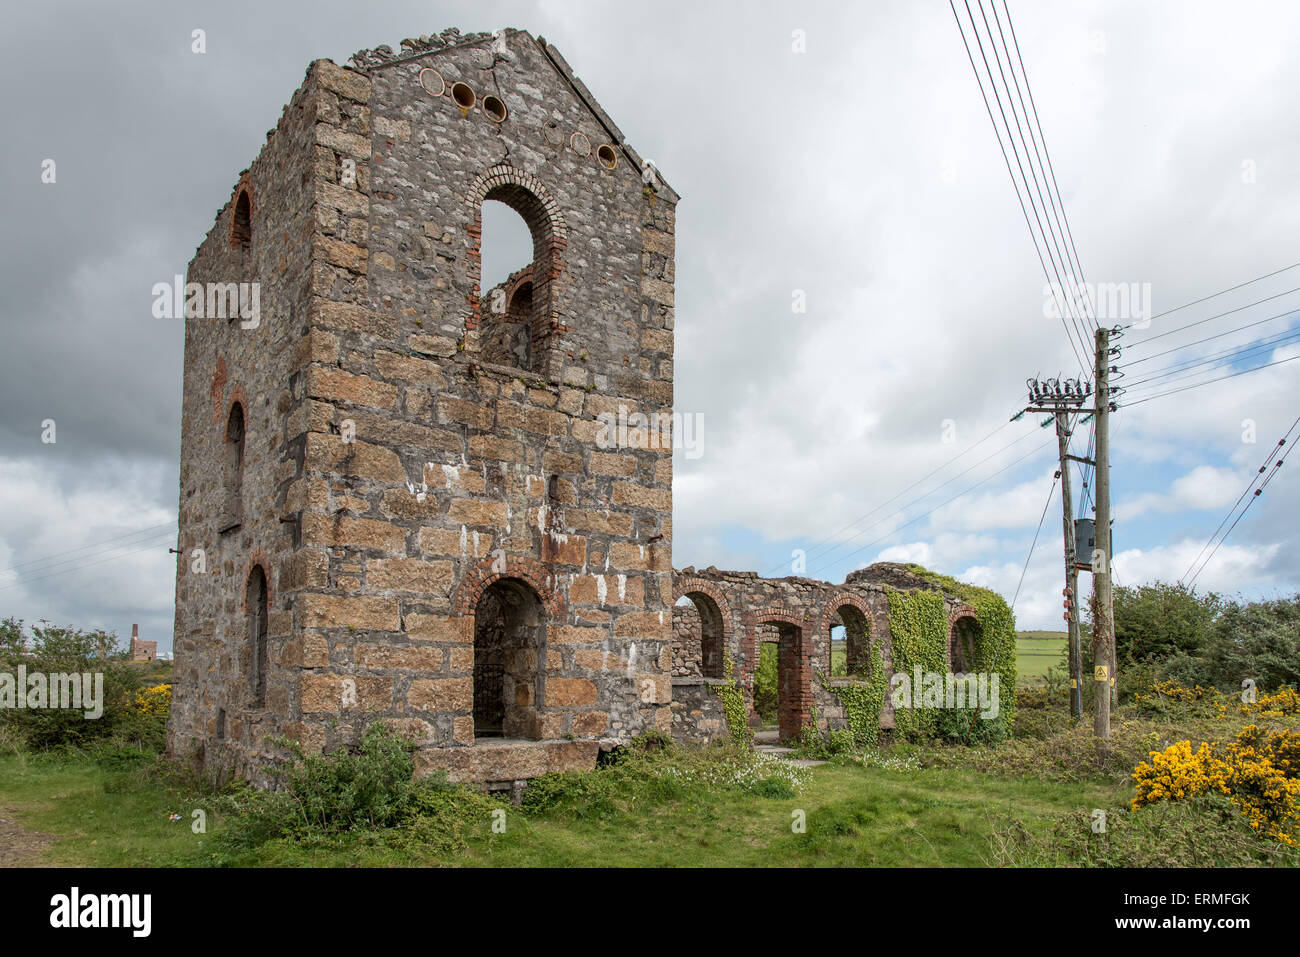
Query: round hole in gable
(607, 157)
(494, 108)
(463, 96)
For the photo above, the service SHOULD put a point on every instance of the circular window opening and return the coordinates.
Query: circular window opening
(463, 96)
(494, 108)
(608, 158)
(432, 82)
(579, 143)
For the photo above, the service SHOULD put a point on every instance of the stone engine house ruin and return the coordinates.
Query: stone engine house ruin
(397, 499)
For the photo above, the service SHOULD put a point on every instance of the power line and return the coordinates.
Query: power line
(1264, 465)
(1215, 295)
(1007, 160)
(1034, 543)
(913, 521)
(1201, 322)
(1218, 335)
(109, 558)
(924, 495)
(1208, 382)
(1048, 232)
(831, 538)
(152, 529)
(1056, 189)
(1216, 360)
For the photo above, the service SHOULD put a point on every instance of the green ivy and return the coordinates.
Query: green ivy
(733, 704)
(863, 701)
(918, 621)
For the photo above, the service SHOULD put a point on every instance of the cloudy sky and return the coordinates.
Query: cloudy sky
(838, 154)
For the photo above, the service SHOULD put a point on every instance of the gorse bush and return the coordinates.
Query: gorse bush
(1259, 772)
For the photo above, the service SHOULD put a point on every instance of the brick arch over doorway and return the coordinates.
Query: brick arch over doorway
(831, 617)
(794, 672)
(478, 577)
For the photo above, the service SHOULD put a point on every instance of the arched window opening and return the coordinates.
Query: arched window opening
(850, 643)
(241, 220)
(255, 601)
(517, 258)
(962, 645)
(697, 637)
(232, 509)
(509, 653)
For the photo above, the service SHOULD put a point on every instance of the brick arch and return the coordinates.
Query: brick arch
(479, 576)
(684, 586)
(958, 613)
(794, 696)
(777, 613)
(687, 587)
(831, 610)
(830, 617)
(528, 196)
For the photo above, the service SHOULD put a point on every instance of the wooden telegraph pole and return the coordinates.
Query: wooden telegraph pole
(1059, 399)
(1071, 565)
(1103, 620)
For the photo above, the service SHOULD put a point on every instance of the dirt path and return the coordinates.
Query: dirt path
(20, 846)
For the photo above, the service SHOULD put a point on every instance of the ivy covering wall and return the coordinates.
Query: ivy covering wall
(918, 622)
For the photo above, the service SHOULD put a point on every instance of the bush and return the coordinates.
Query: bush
(54, 650)
(370, 787)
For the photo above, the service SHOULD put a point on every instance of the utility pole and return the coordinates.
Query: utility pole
(1103, 619)
(1059, 398)
(1071, 563)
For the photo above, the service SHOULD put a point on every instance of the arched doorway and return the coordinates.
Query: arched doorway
(509, 657)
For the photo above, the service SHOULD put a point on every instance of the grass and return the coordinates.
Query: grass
(1036, 651)
(855, 816)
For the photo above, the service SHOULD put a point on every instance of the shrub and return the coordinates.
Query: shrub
(1257, 772)
(54, 650)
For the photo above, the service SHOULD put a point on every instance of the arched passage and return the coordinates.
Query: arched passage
(794, 691)
(699, 635)
(846, 623)
(509, 654)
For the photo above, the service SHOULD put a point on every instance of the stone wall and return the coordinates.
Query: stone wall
(393, 475)
(798, 613)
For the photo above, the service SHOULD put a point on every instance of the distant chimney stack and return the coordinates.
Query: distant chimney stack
(142, 650)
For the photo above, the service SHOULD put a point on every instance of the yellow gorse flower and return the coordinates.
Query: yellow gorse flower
(155, 700)
(1258, 772)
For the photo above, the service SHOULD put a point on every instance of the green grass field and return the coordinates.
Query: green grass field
(856, 816)
(1036, 651)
